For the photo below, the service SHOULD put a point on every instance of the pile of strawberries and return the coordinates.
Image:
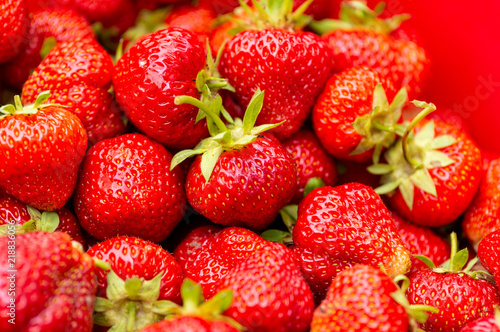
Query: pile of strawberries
(235, 166)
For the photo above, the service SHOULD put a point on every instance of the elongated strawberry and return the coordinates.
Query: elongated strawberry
(125, 187)
(489, 254)
(41, 148)
(78, 73)
(353, 118)
(51, 283)
(134, 278)
(14, 22)
(482, 216)
(343, 226)
(431, 176)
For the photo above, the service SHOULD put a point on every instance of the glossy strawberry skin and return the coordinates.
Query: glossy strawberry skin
(132, 257)
(125, 188)
(421, 241)
(481, 217)
(40, 155)
(359, 299)
(59, 298)
(455, 184)
(484, 324)
(190, 324)
(459, 298)
(13, 25)
(344, 226)
(312, 161)
(347, 96)
(489, 253)
(290, 67)
(197, 19)
(248, 185)
(158, 68)
(78, 74)
(63, 25)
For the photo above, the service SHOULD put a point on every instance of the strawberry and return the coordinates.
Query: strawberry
(484, 324)
(28, 219)
(41, 148)
(188, 324)
(312, 161)
(78, 73)
(46, 28)
(158, 68)
(54, 284)
(421, 241)
(135, 276)
(197, 19)
(460, 295)
(361, 38)
(291, 66)
(243, 177)
(482, 216)
(125, 188)
(489, 254)
(431, 176)
(343, 226)
(352, 117)
(14, 23)
(363, 298)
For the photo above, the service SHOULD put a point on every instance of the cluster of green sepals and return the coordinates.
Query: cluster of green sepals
(39, 222)
(19, 109)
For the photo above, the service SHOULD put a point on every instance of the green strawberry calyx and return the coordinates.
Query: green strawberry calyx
(39, 222)
(411, 157)
(223, 138)
(357, 15)
(18, 108)
(380, 127)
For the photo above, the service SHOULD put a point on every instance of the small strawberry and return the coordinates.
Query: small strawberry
(460, 295)
(431, 176)
(353, 118)
(484, 324)
(291, 66)
(78, 73)
(489, 254)
(134, 279)
(312, 161)
(52, 282)
(41, 148)
(197, 19)
(125, 187)
(482, 216)
(14, 22)
(28, 219)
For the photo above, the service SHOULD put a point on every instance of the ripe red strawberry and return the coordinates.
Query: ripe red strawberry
(13, 22)
(135, 275)
(52, 282)
(312, 161)
(352, 116)
(41, 148)
(343, 226)
(78, 73)
(197, 19)
(190, 323)
(61, 25)
(436, 179)
(421, 241)
(460, 295)
(482, 216)
(290, 66)
(360, 38)
(489, 254)
(28, 219)
(125, 187)
(484, 324)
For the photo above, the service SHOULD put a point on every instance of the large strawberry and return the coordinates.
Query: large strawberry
(489, 254)
(353, 118)
(460, 295)
(361, 38)
(291, 66)
(431, 175)
(78, 73)
(125, 187)
(243, 177)
(482, 216)
(133, 279)
(343, 226)
(41, 148)
(14, 23)
(46, 28)
(46, 284)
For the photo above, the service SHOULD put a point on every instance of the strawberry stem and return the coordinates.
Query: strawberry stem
(195, 102)
(427, 109)
(18, 103)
